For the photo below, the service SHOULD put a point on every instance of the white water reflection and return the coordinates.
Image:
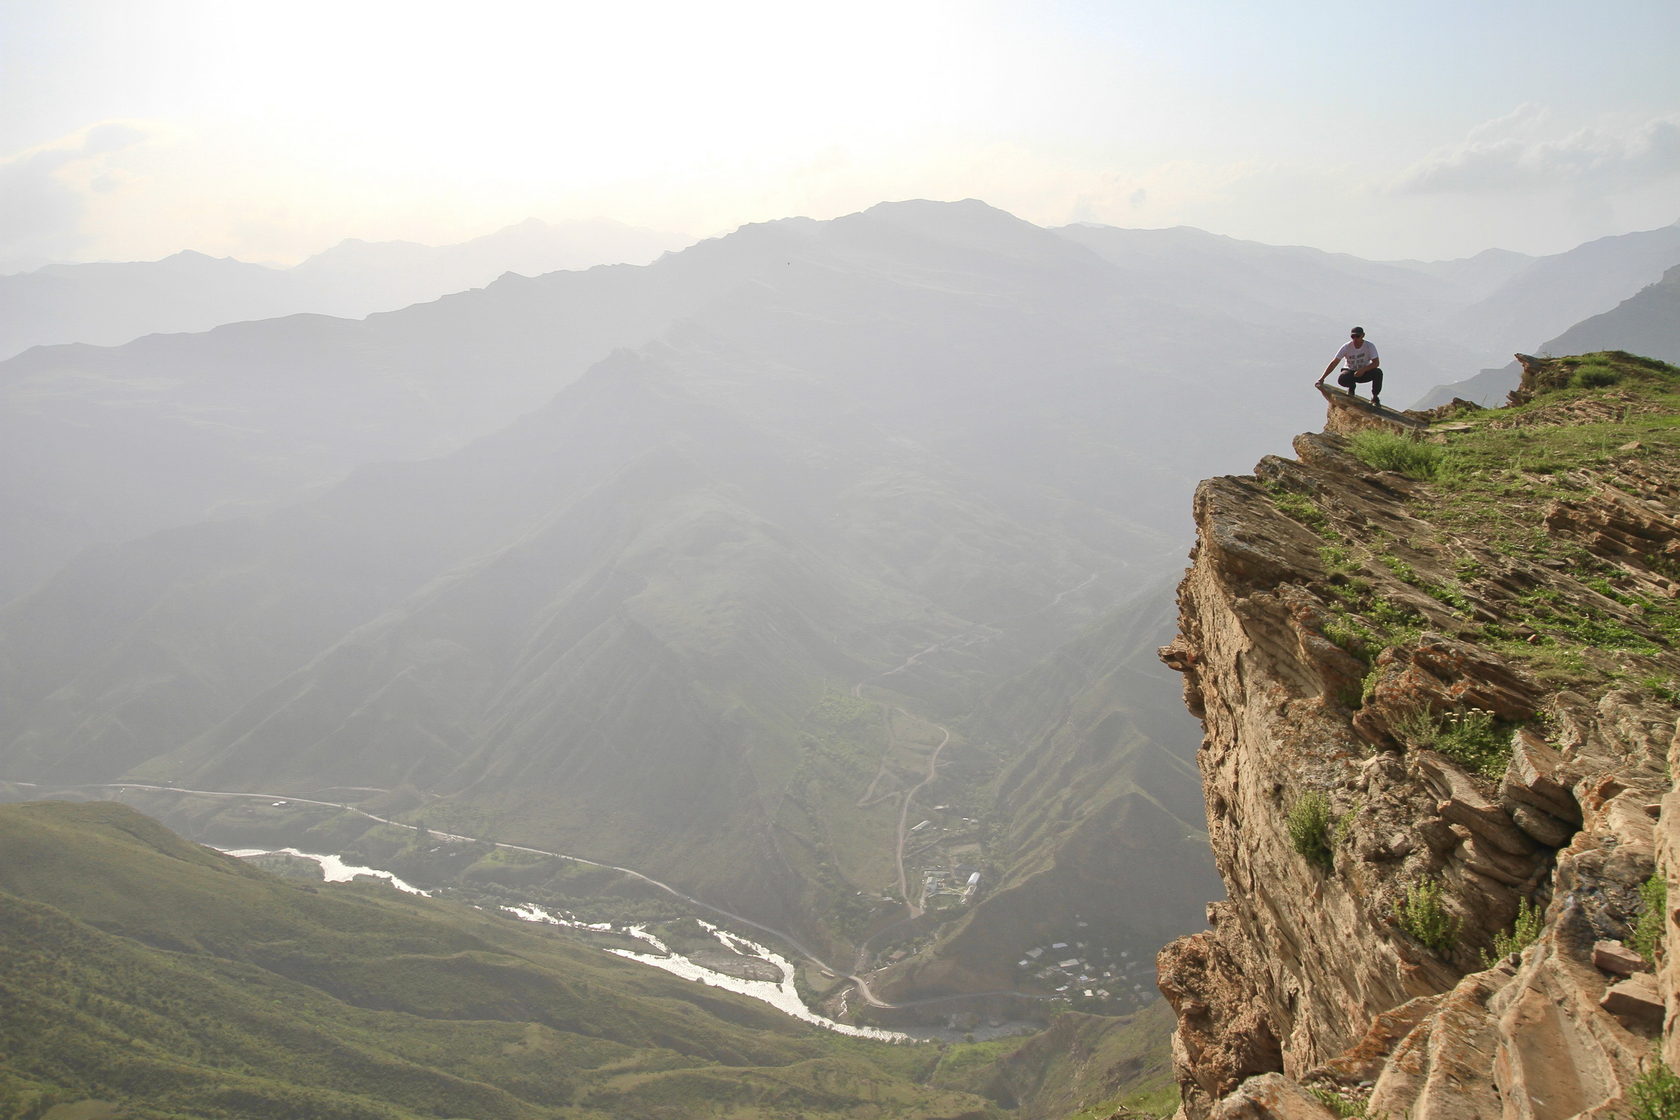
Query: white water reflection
(333, 869)
(780, 994)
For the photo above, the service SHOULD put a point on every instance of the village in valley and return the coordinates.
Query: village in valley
(1091, 977)
(1074, 967)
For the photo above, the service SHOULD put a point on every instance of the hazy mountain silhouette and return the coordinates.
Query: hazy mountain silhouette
(110, 304)
(106, 445)
(607, 626)
(100, 445)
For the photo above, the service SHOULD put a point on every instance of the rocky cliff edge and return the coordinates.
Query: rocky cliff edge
(1435, 656)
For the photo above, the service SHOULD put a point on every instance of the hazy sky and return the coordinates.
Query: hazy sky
(130, 129)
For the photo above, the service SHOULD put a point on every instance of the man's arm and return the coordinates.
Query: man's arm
(1328, 368)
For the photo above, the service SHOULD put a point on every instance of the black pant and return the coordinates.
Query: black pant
(1373, 374)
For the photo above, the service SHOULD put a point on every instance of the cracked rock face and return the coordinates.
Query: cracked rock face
(1438, 717)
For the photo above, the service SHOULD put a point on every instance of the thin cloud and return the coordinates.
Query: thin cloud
(42, 205)
(1521, 151)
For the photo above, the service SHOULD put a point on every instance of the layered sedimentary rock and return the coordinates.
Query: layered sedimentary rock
(1340, 623)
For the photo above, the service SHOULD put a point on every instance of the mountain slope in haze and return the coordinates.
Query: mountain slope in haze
(102, 445)
(1101, 807)
(1313, 295)
(168, 980)
(607, 625)
(109, 304)
(1556, 291)
(1647, 323)
(105, 445)
(612, 627)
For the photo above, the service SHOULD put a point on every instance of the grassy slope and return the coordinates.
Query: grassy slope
(147, 971)
(1596, 428)
(1083, 1065)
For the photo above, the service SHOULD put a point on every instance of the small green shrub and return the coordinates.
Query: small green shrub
(1656, 1095)
(1594, 377)
(1471, 737)
(1524, 932)
(1647, 937)
(1337, 560)
(1388, 451)
(1421, 914)
(1344, 825)
(1309, 823)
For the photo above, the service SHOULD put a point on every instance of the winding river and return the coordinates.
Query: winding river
(780, 993)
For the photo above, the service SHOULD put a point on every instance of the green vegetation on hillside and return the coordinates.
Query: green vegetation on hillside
(145, 971)
(1526, 482)
(1474, 738)
(1083, 1066)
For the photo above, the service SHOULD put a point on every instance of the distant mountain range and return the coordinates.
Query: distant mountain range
(109, 304)
(703, 567)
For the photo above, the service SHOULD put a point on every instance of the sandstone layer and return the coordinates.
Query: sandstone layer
(1439, 709)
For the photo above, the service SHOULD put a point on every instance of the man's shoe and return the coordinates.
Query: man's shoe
(1375, 403)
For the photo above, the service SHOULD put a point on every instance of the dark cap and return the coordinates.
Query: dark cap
(1360, 331)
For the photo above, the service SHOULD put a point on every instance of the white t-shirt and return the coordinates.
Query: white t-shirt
(1358, 358)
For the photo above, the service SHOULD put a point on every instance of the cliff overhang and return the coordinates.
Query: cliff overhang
(1435, 657)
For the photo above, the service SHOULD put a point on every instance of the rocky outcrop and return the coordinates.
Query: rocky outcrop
(1437, 723)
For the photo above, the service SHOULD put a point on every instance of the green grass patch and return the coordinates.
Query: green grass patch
(1299, 507)
(1337, 1103)
(1364, 622)
(1549, 610)
(1337, 559)
(1390, 451)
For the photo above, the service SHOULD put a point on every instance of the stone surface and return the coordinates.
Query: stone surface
(1635, 999)
(1617, 959)
(1271, 1097)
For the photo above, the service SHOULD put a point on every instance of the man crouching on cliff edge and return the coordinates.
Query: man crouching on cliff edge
(1362, 365)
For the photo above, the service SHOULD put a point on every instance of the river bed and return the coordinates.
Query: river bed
(333, 869)
(780, 994)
